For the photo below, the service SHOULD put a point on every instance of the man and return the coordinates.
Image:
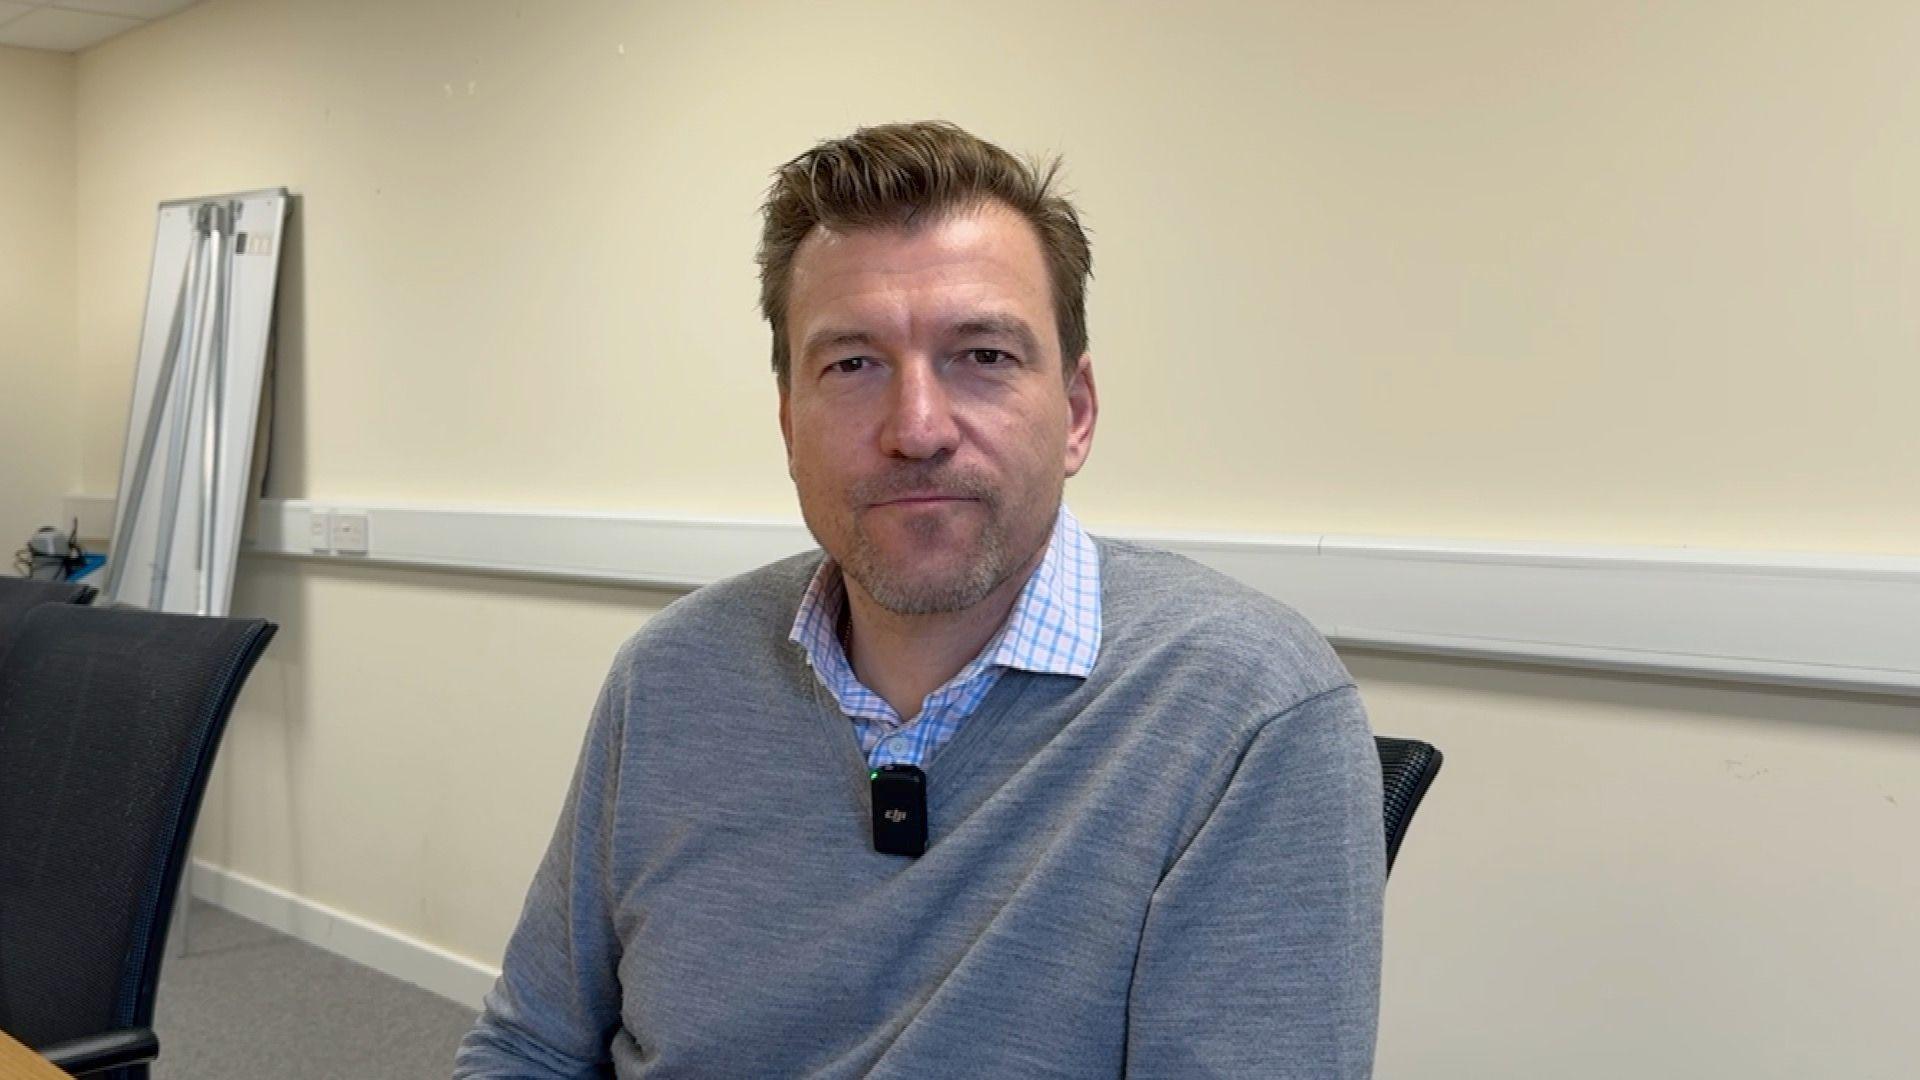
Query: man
(1153, 807)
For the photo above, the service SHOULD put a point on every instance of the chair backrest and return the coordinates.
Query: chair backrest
(109, 719)
(20, 595)
(1407, 769)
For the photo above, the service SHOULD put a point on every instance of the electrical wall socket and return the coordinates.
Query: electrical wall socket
(349, 533)
(319, 531)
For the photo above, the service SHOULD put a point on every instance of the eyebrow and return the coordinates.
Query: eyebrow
(1006, 326)
(834, 338)
(971, 326)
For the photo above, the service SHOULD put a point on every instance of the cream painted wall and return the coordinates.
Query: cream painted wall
(1643, 878)
(1565, 271)
(401, 751)
(1503, 269)
(40, 430)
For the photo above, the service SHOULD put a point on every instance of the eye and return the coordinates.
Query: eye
(848, 365)
(989, 357)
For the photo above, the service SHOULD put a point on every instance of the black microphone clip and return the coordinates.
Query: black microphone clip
(899, 810)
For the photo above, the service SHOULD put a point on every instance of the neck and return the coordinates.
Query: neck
(903, 658)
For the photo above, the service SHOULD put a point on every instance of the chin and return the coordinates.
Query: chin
(942, 600)
(895, 586)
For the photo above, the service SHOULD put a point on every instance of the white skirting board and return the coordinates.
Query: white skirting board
(1847, 622)
(390, 952)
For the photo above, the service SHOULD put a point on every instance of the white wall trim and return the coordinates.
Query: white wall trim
(387, 951)
(1837, 621)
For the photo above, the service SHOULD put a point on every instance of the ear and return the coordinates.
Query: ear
(786, 424)
(1083, 409)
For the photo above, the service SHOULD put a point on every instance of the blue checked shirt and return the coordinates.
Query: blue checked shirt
(1054, 629)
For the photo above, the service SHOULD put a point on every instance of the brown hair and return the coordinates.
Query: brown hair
(889, 176)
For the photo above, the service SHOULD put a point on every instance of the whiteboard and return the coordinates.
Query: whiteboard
(204, 345)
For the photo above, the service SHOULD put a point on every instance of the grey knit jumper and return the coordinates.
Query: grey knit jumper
(1170, 869)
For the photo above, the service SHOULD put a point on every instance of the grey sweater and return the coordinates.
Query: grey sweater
(1170, 869)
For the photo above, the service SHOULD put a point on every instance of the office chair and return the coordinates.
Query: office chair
(109, 719)
(1407, 769)
(20, 595)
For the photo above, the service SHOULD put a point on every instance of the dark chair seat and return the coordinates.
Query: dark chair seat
(21, 595)
(1407, 769)
(109, 719)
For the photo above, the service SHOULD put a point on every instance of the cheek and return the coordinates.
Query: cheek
(1039, 438)
(813, 466)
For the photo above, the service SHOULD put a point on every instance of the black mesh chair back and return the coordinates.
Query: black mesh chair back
(1407, 769)
(109, 718)
(19, 595)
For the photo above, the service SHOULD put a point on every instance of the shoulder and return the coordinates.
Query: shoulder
(1166, 614)
(729, 622)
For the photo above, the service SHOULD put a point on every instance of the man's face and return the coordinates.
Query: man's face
(929, 430)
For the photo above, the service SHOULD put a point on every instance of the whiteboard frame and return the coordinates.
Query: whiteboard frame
(184, 561)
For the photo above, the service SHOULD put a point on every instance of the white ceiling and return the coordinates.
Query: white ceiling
(72, 25)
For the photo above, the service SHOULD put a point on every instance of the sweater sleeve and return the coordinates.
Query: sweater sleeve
(556, 1005)
(1260, 955)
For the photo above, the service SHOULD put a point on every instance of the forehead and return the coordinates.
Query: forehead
(985, 256)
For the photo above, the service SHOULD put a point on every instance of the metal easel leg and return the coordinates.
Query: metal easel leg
(180, 454)
(206, 391)
(181, 332)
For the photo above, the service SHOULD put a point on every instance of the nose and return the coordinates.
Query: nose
(920, 423)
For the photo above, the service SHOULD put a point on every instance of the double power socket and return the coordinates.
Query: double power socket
(337, 532)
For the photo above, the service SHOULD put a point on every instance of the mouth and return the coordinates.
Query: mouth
(922, 499)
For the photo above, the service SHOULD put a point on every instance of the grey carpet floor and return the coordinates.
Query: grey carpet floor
(247, 1002)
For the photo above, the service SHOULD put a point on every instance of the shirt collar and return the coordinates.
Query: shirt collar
(1053, 629)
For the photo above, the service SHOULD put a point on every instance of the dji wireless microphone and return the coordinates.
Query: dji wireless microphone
(899, 810)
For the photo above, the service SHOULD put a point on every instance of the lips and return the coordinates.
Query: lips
(911, 488)
(929, 499)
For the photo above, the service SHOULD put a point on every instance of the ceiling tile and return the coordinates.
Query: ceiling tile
(138, 9)
(65, 31)
(8, 9)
